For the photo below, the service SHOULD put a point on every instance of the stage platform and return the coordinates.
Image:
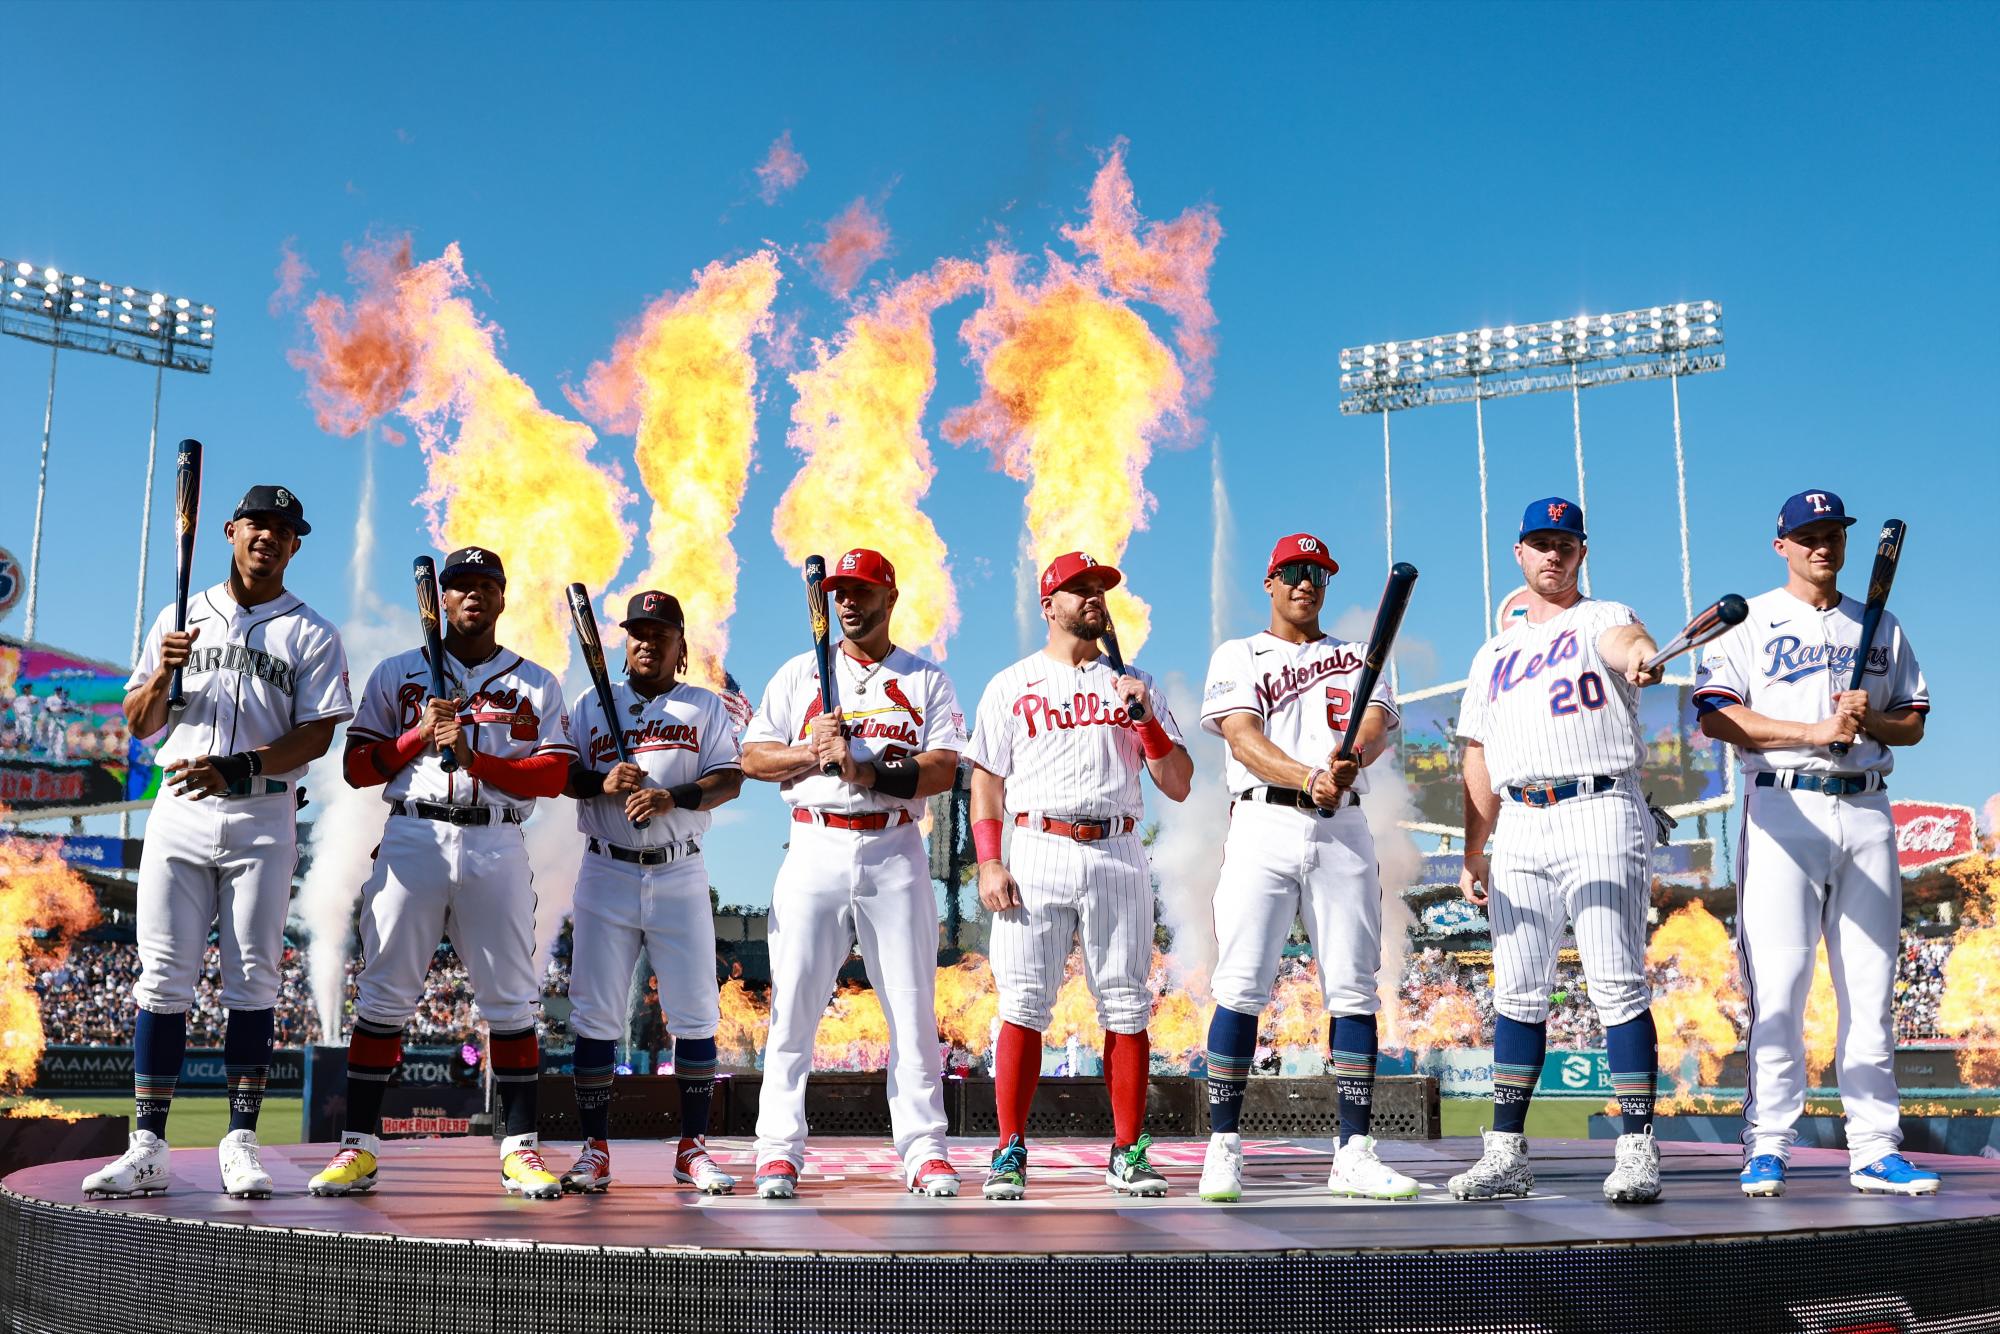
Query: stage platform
(438, 1247)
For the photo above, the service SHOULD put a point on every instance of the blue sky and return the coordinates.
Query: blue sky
(1827, 172)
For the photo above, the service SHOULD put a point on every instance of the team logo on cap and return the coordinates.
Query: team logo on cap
(1817, 499)
(475, 557)
(652, 602)
(284, 498)
(849, 561)
(1558, 508)
(1309, 544)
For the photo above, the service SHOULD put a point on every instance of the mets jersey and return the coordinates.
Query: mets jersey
(1546, 707)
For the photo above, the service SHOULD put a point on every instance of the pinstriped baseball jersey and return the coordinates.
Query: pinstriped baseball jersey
(1061, 737)
(677, 736)
(1544, 705)
(1304, 693)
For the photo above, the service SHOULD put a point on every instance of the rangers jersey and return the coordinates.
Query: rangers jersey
(1544, 705)
(676, 737)
(1304, 693)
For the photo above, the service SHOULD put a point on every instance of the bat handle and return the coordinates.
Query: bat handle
(1839, 747)
(176, 696)
(1136, 710)
(449, 762)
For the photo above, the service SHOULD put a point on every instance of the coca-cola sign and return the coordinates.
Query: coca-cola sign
(1930, 832)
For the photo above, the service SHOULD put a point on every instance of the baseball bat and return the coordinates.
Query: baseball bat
(600, 680)
(1136, 710)
(1710, 623)
(1388, 619)
(1888, 551)
(822, 643)
(187, 513)
(425, 573)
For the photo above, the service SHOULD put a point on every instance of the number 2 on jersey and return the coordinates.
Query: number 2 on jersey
(1565, 694)
(1338, 703)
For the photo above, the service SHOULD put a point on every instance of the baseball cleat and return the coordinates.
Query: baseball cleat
(140, 1170)
(522, 1171)
(693, 1167)
(1763, 1175)
(591, 1172)
(352, 1170)
(1635, 1174)
(936, 1178)
(1008, 1180)
(1895, 1175)
(1222, 1169)
(777, 1180)
(1359, 1171)
(1130, 1172)
(1502, 1170)
(243, 1174)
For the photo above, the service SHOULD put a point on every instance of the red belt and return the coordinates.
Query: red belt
(1082, 831)
(872, 820)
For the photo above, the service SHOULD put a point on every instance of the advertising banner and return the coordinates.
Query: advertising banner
(63, 738)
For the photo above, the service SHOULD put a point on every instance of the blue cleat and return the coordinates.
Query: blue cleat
(1895, 1175)
(1763, 1175)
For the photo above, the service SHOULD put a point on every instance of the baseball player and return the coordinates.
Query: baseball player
(452, 861)
(1550, 722)
(644, 887)
(1298, 847)
(1818, 853)
(266, 685)
(1057, 751)
(856, 868)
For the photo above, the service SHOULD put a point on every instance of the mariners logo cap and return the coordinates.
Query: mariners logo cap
(653, 605)
(861, 566)
(472, 560)
(275, 501)
(1300, 546)
(1553, 514)
(1074, 564)
(1812, 507)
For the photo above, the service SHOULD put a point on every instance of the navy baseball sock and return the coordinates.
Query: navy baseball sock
(1351, 1044)
(517, 1070)
(159, 1041)
(594, 1060)
(246, 1064)
(1633, 1049)
(694, 1072)
(1518, 1050)
(1232, 1042)
(373, 1053)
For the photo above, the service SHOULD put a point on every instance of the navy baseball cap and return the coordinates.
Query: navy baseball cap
(276, 501)
(472, 560)
(653, 605)
(1553, 514)
(1812, 507)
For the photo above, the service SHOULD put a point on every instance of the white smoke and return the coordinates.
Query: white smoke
(1027, 596)
(1221, 588)
(1187, 855)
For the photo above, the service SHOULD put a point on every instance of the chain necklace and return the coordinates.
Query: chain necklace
(861, 685)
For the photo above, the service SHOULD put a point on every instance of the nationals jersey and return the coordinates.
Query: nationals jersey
(1788, 659)
(254, 674)
(513, 709)
(1063, 740)
(1303, 693)
(1545, 706)
(894, 709)
(676, 737)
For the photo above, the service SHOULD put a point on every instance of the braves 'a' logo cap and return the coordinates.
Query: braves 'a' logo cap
(1071, 565)
(1553, 514)
(653, 605)
(472, 560)
(275, 501)
(1812, 507)
(1300, 546)
(861, 566)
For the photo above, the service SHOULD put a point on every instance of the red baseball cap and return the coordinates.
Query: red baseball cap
(1070, 565)
(861, 566)
(1300, 546)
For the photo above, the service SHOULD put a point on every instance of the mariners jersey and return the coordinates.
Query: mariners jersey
(254, 674)
(676, 737)
(1062, 738)
(894, 709)
(1544, 705)
(1788, 659)
(1303, 693)
(513, 709)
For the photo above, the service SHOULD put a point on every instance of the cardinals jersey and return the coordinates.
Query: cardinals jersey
(1544, 705)
(1303, 694)
(676, 737)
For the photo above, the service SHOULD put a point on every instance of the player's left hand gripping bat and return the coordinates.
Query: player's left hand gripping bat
(600, 679)
(822, 633)
(1888, 551)
(1134, 709)
(1709, 624)
(424, 571)
(1388, 620)
(187, 512)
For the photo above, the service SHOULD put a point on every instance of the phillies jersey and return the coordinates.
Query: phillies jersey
(894, 709)
(1062, 738)
(676, 737)
(1544, 705)
(1788, 659)
(253, 675)
(512, 709)
(1303, 693)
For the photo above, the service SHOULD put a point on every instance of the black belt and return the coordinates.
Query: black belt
(1834, 785)
(643, 856)
(1291, 796)
(1548, 794)
(458, 815)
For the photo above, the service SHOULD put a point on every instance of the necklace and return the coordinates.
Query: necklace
(861, 685)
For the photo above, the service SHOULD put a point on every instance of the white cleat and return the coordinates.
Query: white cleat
(1359, 1171)
(1636, 1177)
(694, 1167)
(243, 1174)
(140, 1170)
(1222, 1169)
(1502, 1170)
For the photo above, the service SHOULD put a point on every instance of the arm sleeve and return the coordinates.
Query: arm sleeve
(376, 762)
(322, 684)
(1907, 688)
(773, 719)
(1232, 687)
(1721, 680)
(539, 775)
(944, 720)
(991, 746)
(719, 747)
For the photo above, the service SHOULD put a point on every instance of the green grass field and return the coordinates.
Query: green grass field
(199, 1123)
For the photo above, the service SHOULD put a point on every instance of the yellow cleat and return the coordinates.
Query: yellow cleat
(522, 1171)
(352, 1170)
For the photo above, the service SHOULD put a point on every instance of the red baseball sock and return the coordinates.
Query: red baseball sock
(1127, 1061)
(1017, 1065)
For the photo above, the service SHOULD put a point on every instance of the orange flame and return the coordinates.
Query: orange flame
(1822, 1021)
(38, 892)
(854, 241)
(1441, 1014)
(1969, 1009)
(1696, 998)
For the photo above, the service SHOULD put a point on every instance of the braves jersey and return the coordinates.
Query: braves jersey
(1544, 705)
(1062, 738)
(253, 675)
(1788, 659)
(675, 737)
(1303, 694)
(893, 709)
(513, 709)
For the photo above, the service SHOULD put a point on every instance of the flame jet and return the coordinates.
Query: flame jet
(39, 891)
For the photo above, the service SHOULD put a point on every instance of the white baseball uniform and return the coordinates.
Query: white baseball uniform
(647, 889)
(1548, 711)
(838, 886)
(1814, 864)
(434, 877)
(1284, 862)
(1062, 738)
(253, 675)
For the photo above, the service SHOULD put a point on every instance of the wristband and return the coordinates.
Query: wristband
(236, 770)
(1154, 741)
(687, 796)
(986, 840)
(896, 778)
(1311, 778)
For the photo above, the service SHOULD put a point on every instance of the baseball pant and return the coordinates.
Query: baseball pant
(225, 862)
(1101, 891)
(839, 886)
(623, 910)
(1586, 861)
(1813, 865)
(469, 881)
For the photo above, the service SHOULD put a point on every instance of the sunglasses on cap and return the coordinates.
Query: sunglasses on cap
(1294, 572)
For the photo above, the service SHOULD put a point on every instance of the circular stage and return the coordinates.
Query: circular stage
(439, 1248)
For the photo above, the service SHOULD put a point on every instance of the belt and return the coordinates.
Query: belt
(1082, 831)
(257, 787)
(1548, 794)
(1291, 796)
(643, 856)
(834, 820)
(1834, 785)
(458, 815)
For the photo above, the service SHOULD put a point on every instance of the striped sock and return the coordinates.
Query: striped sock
(694, 1073)
(1633, 1052)
(246, 1064)
(373, 1053)
(1232, 1043)
(1518, 1050)
(594, 1060)
(159, 1041)
(517, 1070)
(1351, 1047)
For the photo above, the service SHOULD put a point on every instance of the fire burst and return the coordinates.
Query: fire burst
(1969, 1009)
(1696, 997)
(38, 892)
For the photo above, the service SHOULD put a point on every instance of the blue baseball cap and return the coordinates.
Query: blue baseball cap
(1553, 514)
(1812, 507)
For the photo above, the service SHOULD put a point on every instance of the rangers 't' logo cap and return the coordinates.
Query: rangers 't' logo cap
(1812, 507)
(1074, 564)
(472, 560)
(1553, 514)
(276, 502)
(653, 605)
(1300, 546)
(861, 566)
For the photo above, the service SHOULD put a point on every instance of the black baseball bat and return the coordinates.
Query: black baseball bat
(1708, 624)
(424, 570)
(187, 513)
(1388, 619)
(822, 630)
(1888, 551)
(1136, 710)
(600, 679)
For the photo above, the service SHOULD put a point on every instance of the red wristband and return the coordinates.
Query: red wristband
(986, 840)
(1153, 739)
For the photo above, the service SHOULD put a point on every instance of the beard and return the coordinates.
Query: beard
(1081, 626)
